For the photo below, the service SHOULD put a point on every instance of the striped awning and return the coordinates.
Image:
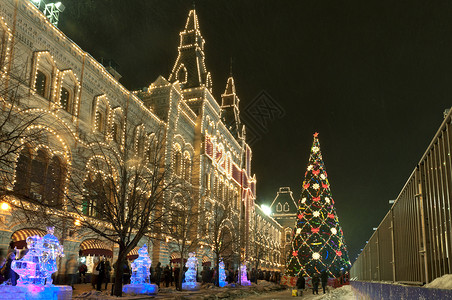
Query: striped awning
(23, 234)
(175, 255)
(205, 259)
(93, 244)
(134, 252)
(95, 247)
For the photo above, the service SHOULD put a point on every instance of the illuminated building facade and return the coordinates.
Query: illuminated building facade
(79, 97)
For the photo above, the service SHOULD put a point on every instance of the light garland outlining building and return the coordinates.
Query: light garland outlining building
(78, 98)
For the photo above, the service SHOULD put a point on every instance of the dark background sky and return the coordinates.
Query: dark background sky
(372, 77)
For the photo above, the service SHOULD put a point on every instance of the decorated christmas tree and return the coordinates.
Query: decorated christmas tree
(318, 242)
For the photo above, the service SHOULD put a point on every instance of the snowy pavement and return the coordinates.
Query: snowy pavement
(343, 293)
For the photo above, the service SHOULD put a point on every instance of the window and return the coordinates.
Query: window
(187, 168)
(99, 122)
(98, 194)
(182, 74)
(115, 132)
(23, 169)
(286, 207)
(38, 175)
(279, 207)
(140, 145)
(54, 185)
(178, 163)
(65, 99)
(41, 83)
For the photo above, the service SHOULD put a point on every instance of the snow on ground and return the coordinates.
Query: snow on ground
(444, 282)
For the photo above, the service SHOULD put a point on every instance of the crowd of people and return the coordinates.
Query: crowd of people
(102, 271)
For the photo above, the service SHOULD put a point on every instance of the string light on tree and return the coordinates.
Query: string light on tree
(318, 243)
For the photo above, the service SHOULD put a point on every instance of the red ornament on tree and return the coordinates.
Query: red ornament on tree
(300, 216)
(295, 253)
(316, 172)
(339, 253)
(331, 216)
(306, 186)
(316, 199)
(325, 186)
(315, 230)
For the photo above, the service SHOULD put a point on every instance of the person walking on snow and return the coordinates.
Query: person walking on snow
(315, 284)
(300, 284)
(324, 279)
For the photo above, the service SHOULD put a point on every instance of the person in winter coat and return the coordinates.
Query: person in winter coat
(158, 274)
(107, 273)
(300, 285)
(100, 278)
(315, 283)
(324, 279)
(167, 275)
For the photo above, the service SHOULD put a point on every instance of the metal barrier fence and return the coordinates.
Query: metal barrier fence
(413, 243)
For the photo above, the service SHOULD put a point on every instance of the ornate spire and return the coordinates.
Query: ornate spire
(190, 69)
(230, 109)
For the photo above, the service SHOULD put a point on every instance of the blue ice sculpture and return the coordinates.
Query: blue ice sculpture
(190, 276)
(222, 275)
(51, 250)
(140, 280)
(243, 277)
(30, 267)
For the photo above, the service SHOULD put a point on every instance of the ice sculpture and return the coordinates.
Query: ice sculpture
(243, 277)
(35, 270)
(51, 250)
(140, 279)
(190, 276)
(222, 275)
(38, 265)
(30, 267)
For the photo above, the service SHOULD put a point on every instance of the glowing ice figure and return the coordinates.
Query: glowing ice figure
(140, 267)
(30, 267)
(243, 277)
(222, 275)
(51, 250)
(190, 276)
(140, 279)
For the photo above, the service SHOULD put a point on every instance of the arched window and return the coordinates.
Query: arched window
(140, 145)
(187, 168)
(178, 163)
(38, 175)
(182, 74)
(100, 122)
(115, 132)
(23, 169)
(41, 83)
(286, 207)
(99, 193)
(54, 185)
(279, 207)
(65, 99)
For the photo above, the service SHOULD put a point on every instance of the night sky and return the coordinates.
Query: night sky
(372, 77)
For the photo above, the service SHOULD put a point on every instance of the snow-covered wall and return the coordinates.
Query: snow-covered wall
(387, 291)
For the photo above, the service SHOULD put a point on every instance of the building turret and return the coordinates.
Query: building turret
(230, 113)
(190, 68)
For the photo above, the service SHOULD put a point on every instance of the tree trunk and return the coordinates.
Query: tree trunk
(119, 271)
(217, 270)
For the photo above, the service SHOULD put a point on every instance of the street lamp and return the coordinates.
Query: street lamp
(4, 206)
(266, 209)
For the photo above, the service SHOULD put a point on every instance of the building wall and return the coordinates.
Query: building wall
(191, 118)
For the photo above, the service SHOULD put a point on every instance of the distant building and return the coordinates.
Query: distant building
(284, 208)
